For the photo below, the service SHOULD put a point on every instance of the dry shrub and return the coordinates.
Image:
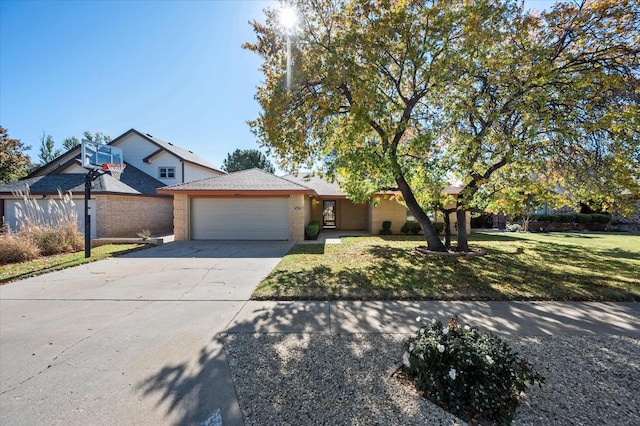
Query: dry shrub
(42, 230)
(64, 238)
(14, 248)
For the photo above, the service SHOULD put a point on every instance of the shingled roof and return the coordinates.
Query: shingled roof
(132, 181)
(322, 187)
(181, 153)
(241, 181)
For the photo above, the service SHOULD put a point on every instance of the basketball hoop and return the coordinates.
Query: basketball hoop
(116, 169)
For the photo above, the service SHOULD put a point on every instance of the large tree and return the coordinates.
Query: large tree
(47, 151)
(14, 162)
(243, 159)
(96, 137)
(385, 93)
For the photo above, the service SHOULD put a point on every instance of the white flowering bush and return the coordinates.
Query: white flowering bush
(471, 374)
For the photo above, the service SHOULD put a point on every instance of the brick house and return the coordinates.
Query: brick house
(256, 205)
(119, 208)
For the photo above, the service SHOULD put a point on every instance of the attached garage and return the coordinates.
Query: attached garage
(245, 205)
(240, 218)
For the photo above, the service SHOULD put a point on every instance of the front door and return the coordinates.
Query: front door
(329, 213)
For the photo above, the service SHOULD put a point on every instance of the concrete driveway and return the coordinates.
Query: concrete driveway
(129, 340)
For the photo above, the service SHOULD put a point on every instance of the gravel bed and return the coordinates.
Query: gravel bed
(331, 379)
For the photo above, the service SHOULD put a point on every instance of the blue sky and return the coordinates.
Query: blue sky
(173, 69)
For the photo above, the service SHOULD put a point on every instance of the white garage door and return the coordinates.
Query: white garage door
(240, 219)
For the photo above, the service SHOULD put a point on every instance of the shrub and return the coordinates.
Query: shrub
(514, 227)
(14, 248)
(438, 226)
(411, 227)
(583, 218)
(312, 230)
(600, 218)
(473, 375)
(145, 234)
(64, 238)
(386, 228)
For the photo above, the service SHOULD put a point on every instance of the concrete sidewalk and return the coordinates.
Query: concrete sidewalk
(504, 318)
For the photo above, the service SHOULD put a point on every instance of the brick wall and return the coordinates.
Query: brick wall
(296, 217)
(352, 217)
(386, 209)
(126, 216)
(181, 217)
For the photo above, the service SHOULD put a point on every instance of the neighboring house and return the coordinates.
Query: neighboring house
(119, 208)
(257, 205)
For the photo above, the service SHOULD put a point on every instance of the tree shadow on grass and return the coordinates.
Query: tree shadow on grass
(308, 284)
(528, 270)
(555, 272)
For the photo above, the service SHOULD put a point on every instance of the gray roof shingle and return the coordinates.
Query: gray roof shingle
(244, 180)
(181, 153)
(319, 185)
(132, 181)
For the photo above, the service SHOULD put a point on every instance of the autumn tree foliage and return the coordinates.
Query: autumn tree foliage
(14, 162)
(414, 94)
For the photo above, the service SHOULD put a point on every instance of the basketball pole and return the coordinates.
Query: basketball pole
(88, 179)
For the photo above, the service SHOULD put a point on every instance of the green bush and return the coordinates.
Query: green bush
(14, 248)
(471, 374)
(386, 228)
(438, 226)
(312, 230)
(571, 217)
(600, 218)
(411, 228)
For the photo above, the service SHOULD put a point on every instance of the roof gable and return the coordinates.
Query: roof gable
(59, 163)
(180, 153)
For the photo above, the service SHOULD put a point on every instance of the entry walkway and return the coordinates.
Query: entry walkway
(332, 236)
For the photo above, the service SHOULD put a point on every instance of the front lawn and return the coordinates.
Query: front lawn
(16, 271)
(518, 266)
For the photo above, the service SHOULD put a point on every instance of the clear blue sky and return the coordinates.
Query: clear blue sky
(173, 69)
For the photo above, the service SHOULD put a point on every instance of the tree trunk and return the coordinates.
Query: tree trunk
(433, 241)
(463, 243)
(447, 229)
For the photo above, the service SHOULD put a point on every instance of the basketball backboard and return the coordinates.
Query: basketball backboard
(94, 155)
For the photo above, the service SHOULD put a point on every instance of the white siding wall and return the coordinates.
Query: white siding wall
(193, 172)
(135, 149)
(11, 206)
(75, 168)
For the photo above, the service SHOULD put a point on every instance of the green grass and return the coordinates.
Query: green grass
(522, 266)
(16, 271)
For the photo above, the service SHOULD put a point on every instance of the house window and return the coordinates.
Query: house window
(167, 172)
